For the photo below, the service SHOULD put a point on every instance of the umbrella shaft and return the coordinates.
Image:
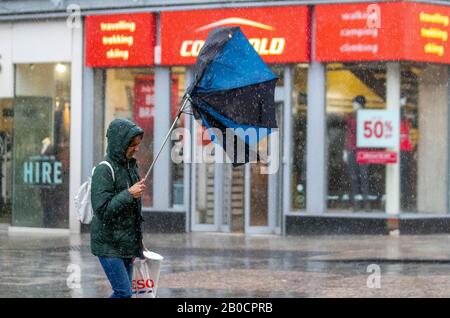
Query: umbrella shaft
(168, 135)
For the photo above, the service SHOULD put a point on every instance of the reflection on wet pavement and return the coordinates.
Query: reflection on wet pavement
(233, 265)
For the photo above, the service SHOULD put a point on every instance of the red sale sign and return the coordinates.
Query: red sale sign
(376, 157)
(377, 129)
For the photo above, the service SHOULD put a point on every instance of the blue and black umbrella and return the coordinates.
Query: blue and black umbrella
(232, 88)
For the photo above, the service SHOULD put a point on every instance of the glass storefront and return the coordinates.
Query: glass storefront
(353, 185)
(361, 186)
(264, 195)
(423, 138)
(6, 124)
(41, 145)
(35, 145)
(178, 84)
(130, 94)
(236, 184)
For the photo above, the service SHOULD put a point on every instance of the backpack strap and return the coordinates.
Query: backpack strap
(110, 167)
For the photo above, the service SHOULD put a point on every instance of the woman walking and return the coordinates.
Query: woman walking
(116, 228)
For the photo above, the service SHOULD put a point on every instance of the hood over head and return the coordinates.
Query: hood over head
(120, 134)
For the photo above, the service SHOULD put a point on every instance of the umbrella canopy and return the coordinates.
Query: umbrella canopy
(234, 89)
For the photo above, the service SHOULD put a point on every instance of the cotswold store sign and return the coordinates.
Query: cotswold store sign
(278, 34)
(42, 171)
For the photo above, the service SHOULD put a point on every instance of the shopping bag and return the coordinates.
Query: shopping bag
(146, 275)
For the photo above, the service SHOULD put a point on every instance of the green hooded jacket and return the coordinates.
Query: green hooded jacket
(116, 227)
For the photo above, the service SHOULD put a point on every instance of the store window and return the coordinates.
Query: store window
(299, 116)
(354, 183)
(6, 124)
(423, 138)
(178, 84)
(130, 94)
(41, 145)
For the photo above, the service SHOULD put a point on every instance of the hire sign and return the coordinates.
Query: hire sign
(278, 34)
(42, 171)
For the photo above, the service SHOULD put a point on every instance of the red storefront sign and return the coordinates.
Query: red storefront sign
(376, 157)
(120, 40)
(279, 34)
(426, 33)
(359, 32)
(382, 31)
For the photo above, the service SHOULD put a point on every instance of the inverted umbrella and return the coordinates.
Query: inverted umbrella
(233, 92)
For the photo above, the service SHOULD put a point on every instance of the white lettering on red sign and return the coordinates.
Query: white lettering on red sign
(264, 46)
(191, 48)
(145, 112)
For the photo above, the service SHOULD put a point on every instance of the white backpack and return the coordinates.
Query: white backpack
(83, 205)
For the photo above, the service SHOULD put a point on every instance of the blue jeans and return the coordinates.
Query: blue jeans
(120, 273)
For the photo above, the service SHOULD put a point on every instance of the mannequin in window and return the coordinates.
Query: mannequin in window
(359, 173)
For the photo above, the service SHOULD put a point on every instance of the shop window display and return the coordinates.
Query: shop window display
(41, 145)
(422, 138)
(353, 184)
(130, 94)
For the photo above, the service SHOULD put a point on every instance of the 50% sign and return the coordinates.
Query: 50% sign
(377, 129)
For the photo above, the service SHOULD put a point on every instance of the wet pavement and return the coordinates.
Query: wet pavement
(234, 265)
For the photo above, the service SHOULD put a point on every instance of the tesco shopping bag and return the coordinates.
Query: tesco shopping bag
(146, 275)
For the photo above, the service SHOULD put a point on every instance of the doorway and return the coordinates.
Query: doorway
(236, 199)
